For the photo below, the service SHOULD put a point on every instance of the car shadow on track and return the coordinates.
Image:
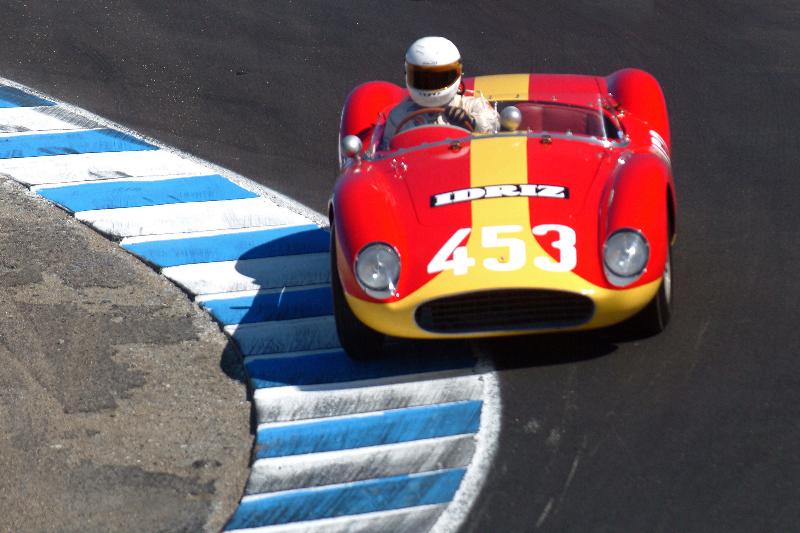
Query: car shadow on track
(231, 362)
(400, 356)
(545, 350)
(296, 344)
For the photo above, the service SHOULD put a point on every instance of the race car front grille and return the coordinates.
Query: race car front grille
(504, 310)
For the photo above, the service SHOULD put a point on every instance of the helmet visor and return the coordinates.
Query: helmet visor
(432, 78)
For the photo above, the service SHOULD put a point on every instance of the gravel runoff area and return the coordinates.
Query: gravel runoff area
(122, 405)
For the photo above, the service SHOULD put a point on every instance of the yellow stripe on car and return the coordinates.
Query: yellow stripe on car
(503, 86)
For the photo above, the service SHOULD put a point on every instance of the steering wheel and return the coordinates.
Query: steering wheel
(466, 123)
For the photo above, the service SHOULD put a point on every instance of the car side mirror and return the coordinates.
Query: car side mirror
(510, 118)
(351, 146)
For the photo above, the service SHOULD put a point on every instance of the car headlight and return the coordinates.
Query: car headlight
(377, 269)
(625, 256)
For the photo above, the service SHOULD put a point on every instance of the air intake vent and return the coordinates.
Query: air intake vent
(504, 310)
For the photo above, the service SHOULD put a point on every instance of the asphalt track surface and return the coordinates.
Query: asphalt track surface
(695, 429)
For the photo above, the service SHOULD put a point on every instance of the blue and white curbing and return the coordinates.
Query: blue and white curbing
(401, 444)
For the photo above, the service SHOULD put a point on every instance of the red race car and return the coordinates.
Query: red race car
(562, 220)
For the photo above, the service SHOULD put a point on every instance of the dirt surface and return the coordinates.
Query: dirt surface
(120, 409)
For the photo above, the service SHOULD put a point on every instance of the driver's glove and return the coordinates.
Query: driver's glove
(456, 115)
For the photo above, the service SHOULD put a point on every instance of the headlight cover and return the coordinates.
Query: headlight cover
(377, 269)
(625, 256)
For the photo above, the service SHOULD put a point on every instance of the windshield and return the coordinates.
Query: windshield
(573, 116)
(540, 117)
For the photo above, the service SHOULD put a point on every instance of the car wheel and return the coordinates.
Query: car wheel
(654, 318)
(359, 340)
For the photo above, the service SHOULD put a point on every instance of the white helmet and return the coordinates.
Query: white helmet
(433, 71)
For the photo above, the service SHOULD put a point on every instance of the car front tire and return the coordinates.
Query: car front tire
(654, 318)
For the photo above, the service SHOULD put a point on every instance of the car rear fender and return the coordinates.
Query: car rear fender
(639, 93)
(361, 108)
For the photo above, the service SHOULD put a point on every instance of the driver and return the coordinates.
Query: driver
(433, 78)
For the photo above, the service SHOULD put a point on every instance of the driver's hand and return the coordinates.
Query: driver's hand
(456, 115)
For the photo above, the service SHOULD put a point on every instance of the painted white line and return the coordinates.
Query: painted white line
(40, 132)
(488, 436)
(251, 274)
(285, 335)
(266, 393)
(406, 520)
(209, 233)
(344, 466)
(285, 404)
(16, 120)
(242, 294)
(137, 179)
(70, 168)
(285, 355)
(184, 217)
(334, 418)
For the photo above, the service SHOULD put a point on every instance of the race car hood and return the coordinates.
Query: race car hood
(501, 212)
(542, 193)
(443, 181)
